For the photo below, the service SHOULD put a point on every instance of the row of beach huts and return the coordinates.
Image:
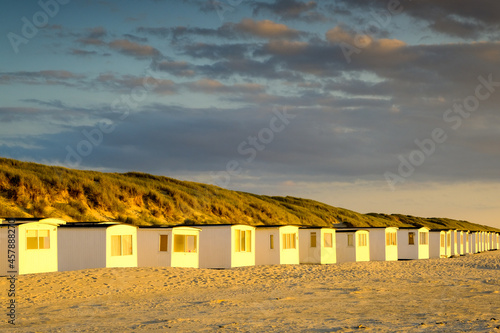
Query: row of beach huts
(47, 245)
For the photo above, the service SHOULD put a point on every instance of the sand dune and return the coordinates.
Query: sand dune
(436, 295)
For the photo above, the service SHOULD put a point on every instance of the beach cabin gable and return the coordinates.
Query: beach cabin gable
(121, 246)
(35, 245)
(243, 244)
(185, 247)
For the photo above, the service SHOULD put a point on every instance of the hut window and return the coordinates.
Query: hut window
(37, 239)
(328, 237)
(191, 243)
(313, 239)
(121, 245)
(127, 245)
(391, 239)
(443, 240)
(362, 240)
(289, 241)
(185, 243)
(271, 242)
(163, 243)
(422, 238)
(243, 240)
(116, 245)
(350, 240)
(411, 238)
(448, 239)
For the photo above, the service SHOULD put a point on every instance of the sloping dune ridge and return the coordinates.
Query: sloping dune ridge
(435, 295)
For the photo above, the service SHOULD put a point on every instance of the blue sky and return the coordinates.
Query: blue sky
(376, 106)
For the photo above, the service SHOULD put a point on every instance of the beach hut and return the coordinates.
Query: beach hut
(467, 245)
(28, 245)
(84, 245)
(475, 240)
(483, 241)
(448, 243)
(317, 245)
(479, 238)
(383, 243)
(460, 242)
(227, 245)
(437, 244)
(489, 241)
(276, 245)
(352, 245)
(413, 243)
(454, 243)
(168, 246)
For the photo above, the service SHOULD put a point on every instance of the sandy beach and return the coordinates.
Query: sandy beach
(435, 295)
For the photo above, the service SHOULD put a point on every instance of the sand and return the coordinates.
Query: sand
(435, 295)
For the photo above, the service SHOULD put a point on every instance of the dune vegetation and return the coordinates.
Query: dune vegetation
(36, 190)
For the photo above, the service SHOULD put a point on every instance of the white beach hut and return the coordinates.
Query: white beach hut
(32, 243)
(475, 241)
(489, 240)
(448, 243)
(352, 245)
(413, 243)
(482, 242)
(84, 245)
(460, 242)
(317, 245)
(479, 239)
(226, 245)
(437, 244)
(277, 245)
(466, 244)
(454, 243)
(383, 243)
(168, 246)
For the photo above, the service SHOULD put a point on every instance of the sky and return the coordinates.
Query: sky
(372, 105)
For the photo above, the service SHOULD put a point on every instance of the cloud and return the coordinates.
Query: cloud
(290, 10)
(126, 83)
(133, 49)
(265, 29)
(177, 68)
(345, 144)
(135, 38)
(51, 77)
(456, 18)
(209, 86)
(158, 31)
(94, 36)
(247, 27)
(285, 47)
(359, 41)
(81, 52)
